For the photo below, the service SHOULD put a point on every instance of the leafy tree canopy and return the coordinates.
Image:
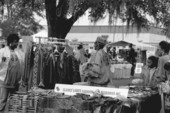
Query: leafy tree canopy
(18, 16)
(134, 12)
(62, 14)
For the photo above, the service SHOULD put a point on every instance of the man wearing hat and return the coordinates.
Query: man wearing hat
(99, 73)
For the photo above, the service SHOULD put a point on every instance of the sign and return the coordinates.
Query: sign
(138, 69)
(90, 90)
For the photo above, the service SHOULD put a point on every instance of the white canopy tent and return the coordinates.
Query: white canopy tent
(43, 34)
(144, 46)
(150, 49)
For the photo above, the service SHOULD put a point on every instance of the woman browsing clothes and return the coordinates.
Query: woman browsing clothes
(10, 72)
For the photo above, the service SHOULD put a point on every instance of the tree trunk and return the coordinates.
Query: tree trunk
(50, 6)
(58, 26)
(63, 27)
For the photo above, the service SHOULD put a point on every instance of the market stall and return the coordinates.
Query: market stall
(140, 100)
(120, 67)
(120, 43)
(44, 69)
(45, 66)
(121, 70)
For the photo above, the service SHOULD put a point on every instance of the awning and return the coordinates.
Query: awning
(43, 34)
(120, 43)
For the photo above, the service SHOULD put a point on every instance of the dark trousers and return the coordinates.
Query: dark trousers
(167, 111)
(132, 69)
(4, 94)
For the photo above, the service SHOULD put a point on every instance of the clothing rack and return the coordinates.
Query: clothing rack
(56, 41)
(45, 46)
(53, 40)
(40, 39)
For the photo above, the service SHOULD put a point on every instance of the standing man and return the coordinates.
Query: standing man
(164, 48)
(98, 69)
(10, 72)
(132, 58)
(114, 53)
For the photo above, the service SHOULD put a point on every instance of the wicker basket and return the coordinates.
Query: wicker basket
(22, 103)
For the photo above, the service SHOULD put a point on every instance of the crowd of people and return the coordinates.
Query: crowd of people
(94, 68)
(92, 65)
(156, 69)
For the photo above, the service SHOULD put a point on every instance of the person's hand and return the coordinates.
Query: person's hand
(92, 74)
(3, 59)
(165, 87)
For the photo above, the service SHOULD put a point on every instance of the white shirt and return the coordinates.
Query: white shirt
(151, 73)
(5, 55)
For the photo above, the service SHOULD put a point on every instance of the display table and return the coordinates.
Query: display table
(121, 71)
(139, 101)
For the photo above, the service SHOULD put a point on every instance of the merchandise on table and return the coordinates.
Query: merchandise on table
(22, 103)
(140, 91)
(47, 101)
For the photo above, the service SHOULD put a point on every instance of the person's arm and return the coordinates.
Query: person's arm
(160, 71)
(1, 56)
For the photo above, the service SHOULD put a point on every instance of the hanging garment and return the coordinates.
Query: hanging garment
(28, 67)
(58, 68)
(68, 71)
(35, 69)
(38, 76)
(50, 76)
(51, 67)
(69, 74)
(76, 73)
(42, 53)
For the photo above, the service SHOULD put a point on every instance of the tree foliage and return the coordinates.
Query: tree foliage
(18, 16)
(62, 14)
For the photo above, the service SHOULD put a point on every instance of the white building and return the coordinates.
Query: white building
(88, 34)
(116, 33)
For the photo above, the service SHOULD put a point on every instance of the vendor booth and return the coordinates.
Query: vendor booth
(140, 100)
(120, 43)
(47, 86)
(120, 67)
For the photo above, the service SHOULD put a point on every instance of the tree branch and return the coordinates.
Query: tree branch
(80, 10)
(62, 8)
(82, 7)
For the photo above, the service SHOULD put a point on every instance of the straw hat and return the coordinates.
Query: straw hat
(102, 40)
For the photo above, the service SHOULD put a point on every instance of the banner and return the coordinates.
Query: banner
(138, 69)
(90, 90)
